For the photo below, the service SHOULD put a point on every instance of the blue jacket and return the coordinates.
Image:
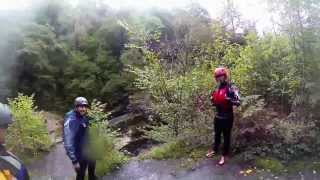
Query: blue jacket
(74, 135)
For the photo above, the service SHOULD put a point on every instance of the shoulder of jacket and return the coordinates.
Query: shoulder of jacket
(11, 159)
(70, 115)
(70, 118)
(14, 156)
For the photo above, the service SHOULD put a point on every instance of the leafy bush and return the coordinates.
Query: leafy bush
(102, 140)
(260, 131)
(180, 102)
(28, 134)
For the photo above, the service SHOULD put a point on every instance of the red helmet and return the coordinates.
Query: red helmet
(221, 71)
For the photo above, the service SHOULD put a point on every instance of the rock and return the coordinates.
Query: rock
(118, 111)
(123, 141)
(139, 103)
(269, 126)
(135, 146)
(126, 120)
(58, 140)
(130, 117)
(274, 114)
(135, 131)
(132, 112)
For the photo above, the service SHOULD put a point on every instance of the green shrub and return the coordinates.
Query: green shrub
(261, 131)
(28, 134)
(101, 144)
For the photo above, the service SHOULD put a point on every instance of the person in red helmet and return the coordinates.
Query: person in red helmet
(225, 97)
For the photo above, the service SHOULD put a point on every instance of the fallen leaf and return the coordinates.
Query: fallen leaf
(249, 171)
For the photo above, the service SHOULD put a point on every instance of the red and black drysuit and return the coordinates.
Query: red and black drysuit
(224, 98)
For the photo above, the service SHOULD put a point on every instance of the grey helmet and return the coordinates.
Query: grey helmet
(5, 115)
(81, 101)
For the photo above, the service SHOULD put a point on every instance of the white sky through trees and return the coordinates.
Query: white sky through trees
(254, 10)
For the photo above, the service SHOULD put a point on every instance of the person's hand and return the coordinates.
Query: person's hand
(76, 166)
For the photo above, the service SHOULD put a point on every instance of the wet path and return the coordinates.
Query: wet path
(206, 170)
(165, 170)
(54, 165)
(57, 166)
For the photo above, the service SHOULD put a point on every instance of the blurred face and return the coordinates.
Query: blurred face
(221, 79)
(82, 110)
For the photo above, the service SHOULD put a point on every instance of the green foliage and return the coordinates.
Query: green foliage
(198, 153)
(102, 141)
(58, 62)
(271, 133)
(39, 65)
(171, 150)
(28, 135)
(273, 69)
(305, 164)
(272, 164)
(111, 161)
(176, 101)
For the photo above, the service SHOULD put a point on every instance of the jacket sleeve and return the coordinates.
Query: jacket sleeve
(23, 173)
(69, 132)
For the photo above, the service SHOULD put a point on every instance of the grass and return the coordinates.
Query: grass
(188, 157)
(178, 150)
(292, 167)
(195, 155)
(271, 164)
(306, 164)
(171, 150)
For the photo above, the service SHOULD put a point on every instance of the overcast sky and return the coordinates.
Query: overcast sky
(255, 10)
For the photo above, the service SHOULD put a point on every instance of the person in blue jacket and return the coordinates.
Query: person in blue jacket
(10, 166)
(75, 129)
